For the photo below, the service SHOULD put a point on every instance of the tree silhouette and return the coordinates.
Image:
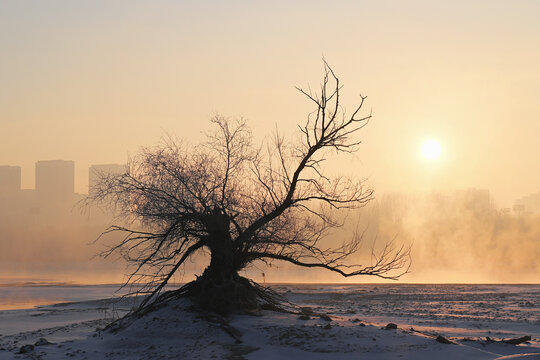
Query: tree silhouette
(242, 203)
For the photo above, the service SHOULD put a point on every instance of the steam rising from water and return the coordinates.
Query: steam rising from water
(460, 237)
(456, 237)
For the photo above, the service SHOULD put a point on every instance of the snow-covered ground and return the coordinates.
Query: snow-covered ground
(475, 318)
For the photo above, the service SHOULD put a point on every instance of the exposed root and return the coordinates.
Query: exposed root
(221, 295)
(225, 296)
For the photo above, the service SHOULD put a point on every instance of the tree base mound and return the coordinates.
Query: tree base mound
(225, 295)
(221, 296)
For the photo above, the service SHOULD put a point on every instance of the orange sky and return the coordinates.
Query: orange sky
(91, 81)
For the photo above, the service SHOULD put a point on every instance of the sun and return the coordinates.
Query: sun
(431, 149)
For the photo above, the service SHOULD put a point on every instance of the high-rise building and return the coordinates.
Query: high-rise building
(528, 204)
(95, 172)
(55, 179)
(10, 180)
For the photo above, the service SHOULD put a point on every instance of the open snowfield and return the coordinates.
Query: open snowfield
(474, 318)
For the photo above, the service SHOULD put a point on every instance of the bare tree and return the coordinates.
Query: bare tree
(243, 203)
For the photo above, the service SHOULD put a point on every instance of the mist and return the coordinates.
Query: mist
(455, 237)
(48, 239)
(459, 237)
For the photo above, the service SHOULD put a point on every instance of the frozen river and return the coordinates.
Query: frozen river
(476, 318)
(457, 310)
(497, 311)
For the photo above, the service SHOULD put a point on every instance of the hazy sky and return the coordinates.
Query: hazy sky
(91, 81)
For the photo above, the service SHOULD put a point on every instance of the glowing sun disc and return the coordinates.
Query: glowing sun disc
(431, 149)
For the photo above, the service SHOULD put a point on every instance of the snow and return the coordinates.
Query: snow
(464, 314)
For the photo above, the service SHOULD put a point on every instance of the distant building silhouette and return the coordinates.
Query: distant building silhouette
(97, 171)
(55, 179)
(10, 180)
(528, 204)
(477, 200)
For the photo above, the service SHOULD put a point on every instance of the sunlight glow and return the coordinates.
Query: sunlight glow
(431, 149)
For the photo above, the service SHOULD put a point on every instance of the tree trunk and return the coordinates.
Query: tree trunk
(221, 288)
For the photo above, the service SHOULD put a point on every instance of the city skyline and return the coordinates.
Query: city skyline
(11, 180)
(8, 172)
